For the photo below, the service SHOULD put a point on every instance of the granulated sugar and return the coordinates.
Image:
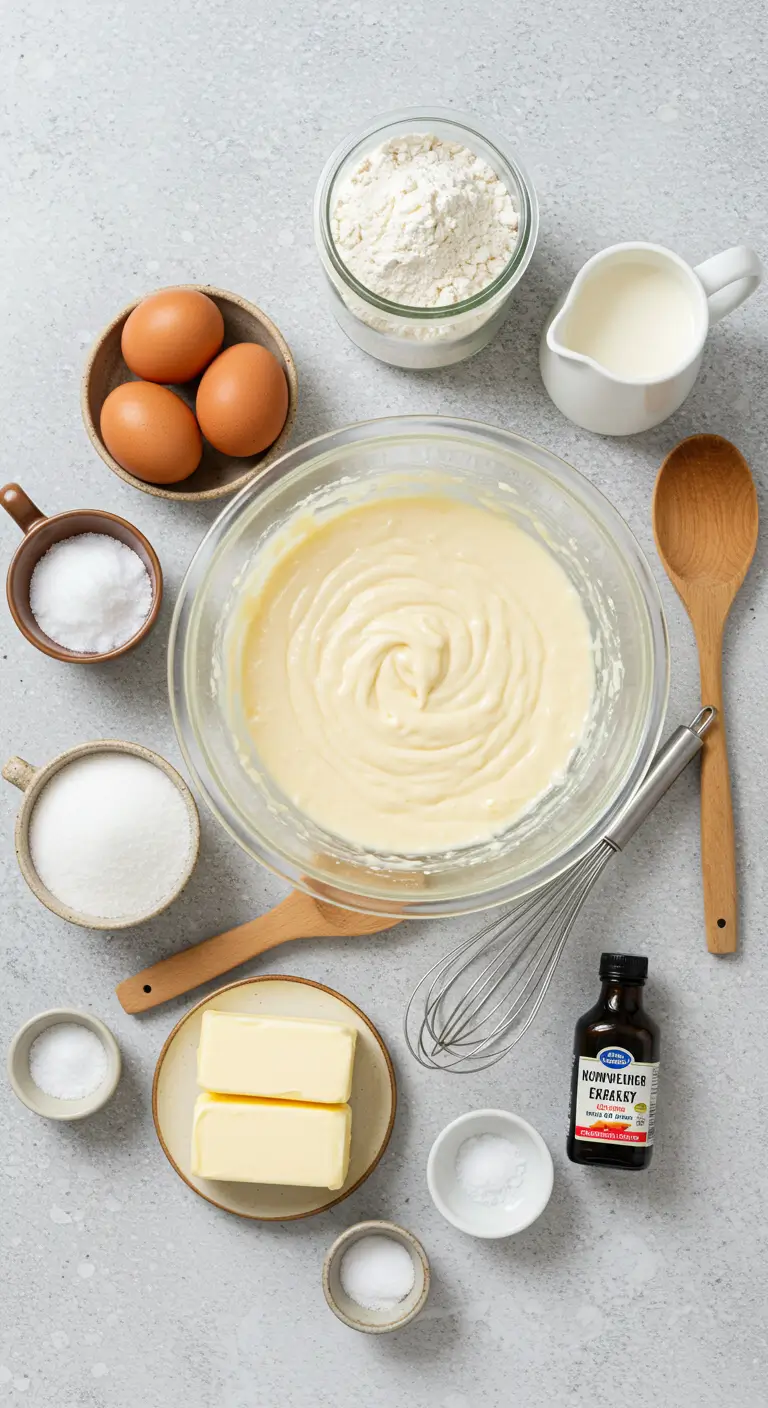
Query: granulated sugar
(110, 836)
(90, 593)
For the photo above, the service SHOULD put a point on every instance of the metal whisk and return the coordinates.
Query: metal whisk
(481, 999)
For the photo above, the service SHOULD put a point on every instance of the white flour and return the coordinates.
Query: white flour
(423, 222)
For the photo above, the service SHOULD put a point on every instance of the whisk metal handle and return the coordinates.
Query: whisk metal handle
(675, 755)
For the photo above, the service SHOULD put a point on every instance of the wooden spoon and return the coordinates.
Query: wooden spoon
(705, 522)
(297, 917)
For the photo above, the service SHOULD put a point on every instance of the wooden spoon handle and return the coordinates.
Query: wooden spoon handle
(718, 844)
(197, 964)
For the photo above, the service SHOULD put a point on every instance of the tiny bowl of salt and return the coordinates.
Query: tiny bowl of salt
(64, 1064)
(490, 1173)
(376, 1277)
(83, 586)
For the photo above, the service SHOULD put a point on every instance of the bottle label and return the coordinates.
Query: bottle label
(616, 1098)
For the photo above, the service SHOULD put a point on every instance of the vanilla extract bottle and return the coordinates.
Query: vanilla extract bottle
(615, 1071)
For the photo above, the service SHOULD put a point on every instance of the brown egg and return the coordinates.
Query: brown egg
(242, 400)
(151, 433)
(172, 335)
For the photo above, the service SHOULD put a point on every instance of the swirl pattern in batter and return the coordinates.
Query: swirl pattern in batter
(414, 673)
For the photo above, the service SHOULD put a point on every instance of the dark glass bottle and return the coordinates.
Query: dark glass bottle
(615, 1071)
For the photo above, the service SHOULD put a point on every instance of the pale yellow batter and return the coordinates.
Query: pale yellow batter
(414, 673)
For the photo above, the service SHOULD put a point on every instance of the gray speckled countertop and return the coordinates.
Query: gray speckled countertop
(149, 143)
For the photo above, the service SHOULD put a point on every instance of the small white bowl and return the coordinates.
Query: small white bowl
(522, 1207)
(376, 1322)
(51, 1106)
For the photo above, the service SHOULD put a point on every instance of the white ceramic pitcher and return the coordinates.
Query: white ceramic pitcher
(651, 376)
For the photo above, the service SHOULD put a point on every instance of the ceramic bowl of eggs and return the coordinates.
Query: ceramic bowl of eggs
(189, 393)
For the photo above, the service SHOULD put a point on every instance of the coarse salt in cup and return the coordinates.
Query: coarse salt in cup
(64, 1094)
(415, 337)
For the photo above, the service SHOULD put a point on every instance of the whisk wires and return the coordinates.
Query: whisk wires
(480, 999)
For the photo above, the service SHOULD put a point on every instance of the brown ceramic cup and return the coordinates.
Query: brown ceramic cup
(40, 533)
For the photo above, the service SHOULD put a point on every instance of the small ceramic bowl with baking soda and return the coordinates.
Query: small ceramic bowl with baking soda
(376, 1277)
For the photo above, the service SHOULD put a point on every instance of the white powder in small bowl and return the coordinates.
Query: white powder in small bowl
(377, 1272)
(489, 1169)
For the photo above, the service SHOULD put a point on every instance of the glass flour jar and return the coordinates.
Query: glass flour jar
(422, 338)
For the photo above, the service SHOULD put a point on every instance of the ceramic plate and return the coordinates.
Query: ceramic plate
(373, 1099)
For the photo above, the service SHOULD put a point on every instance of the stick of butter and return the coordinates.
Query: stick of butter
(270, 1141)
(280, 1058)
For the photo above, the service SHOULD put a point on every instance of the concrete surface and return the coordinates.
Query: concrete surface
(149, 143)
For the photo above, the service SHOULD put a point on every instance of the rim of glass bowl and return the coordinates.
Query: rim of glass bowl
(405, 428)
(467, 124)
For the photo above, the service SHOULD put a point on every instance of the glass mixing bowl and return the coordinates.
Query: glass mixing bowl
(484, 466)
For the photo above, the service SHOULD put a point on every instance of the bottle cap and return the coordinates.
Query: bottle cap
(624, 967)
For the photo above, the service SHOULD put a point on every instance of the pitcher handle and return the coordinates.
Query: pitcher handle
(729, 279)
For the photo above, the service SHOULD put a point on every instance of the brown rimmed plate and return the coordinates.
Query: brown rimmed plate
(373, 1100)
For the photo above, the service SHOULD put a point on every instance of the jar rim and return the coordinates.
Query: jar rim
(509, 165)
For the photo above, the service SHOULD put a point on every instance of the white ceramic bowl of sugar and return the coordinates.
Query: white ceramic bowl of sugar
(453, 1164)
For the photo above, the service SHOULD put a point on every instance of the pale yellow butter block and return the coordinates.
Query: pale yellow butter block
(280, 1058)
(270, 1141)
